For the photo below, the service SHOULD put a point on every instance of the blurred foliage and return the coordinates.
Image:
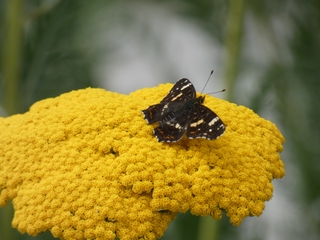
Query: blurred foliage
(295, 84)
(50, 61)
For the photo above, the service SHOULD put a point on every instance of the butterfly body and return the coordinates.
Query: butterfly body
(181, 112)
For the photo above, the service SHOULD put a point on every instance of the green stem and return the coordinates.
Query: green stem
(12, 55)
(6, 213)
(233, 38)
(11, 70)
(208, 228)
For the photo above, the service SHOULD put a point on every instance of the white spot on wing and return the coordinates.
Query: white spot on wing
(176, 96)
(213, 121)
(196, 123)
(185, 86)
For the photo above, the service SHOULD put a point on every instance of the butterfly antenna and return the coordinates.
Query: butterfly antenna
(223, 90)
(207, 81)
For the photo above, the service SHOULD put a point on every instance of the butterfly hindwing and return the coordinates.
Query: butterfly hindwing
(204, 123)
(173, 126)
(155, 113)
(169, 133)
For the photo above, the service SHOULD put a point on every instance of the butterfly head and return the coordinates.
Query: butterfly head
(200, 99)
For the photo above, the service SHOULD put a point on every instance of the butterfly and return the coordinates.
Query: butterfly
(181, 112)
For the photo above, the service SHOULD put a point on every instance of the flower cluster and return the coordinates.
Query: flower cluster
(85, 165)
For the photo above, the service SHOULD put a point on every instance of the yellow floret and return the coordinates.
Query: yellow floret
(85, 165)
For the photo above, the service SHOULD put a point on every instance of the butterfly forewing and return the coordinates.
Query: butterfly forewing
(183, 90)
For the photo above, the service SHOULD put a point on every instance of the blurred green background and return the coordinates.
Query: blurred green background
(265, 53)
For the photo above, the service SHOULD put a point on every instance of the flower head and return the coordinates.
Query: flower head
(86, 165)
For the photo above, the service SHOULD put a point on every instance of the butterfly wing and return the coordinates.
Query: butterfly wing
(179, 112)
(173, 126)
(182, 91)
(204, 123)
(155, 113)
(171, 131)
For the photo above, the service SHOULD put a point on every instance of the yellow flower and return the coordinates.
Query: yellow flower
(86, 165)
